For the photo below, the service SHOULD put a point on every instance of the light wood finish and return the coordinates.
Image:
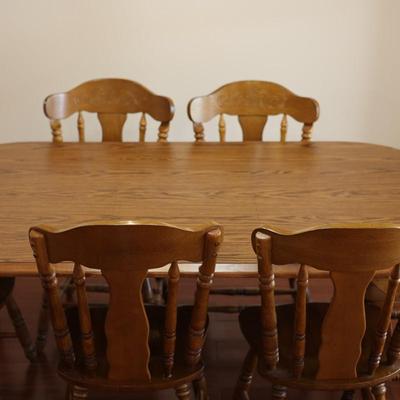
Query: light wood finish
(112, 100)
(253, 102)
(290, 186)
(345, 339)
(124, 251)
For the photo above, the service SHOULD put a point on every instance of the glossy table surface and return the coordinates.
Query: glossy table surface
(239, 185)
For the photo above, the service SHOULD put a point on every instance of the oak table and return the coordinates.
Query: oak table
(239, 185)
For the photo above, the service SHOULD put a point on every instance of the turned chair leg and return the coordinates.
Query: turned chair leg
(379, 392)
(43, 325)
(200, 388)
(20, 328)
(246, 376)
(183, 392)
(279, 392)
(76, 393)
(348, 395)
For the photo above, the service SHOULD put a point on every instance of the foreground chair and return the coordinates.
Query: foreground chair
(125, 346)
(253, 102)
(112, 100)
(344, 345)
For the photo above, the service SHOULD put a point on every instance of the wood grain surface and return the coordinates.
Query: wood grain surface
(240, 186)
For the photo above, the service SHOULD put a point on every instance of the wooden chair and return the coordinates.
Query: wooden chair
(126, 346)
(112, 100)
(342, 345)
(21, 330)
(252, 102)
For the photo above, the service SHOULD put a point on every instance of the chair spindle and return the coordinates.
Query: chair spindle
(142, 127)
(198, 132)
(284, 125)
(163, 132)
(84, 319)
(306, 134)
(300, 322)
(394, 348)
(171, 319)
(384, 321)
(199, 316)
(81, 127)
(268, 312)
(56, 131)
(221, 128)
(50, 285)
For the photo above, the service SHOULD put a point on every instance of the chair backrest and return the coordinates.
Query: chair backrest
(352, 254)
(124, 252)
(112, 100)
(252, 102)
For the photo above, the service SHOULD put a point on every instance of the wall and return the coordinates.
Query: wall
(343, 53)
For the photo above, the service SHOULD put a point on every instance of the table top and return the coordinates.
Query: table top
(239, 185)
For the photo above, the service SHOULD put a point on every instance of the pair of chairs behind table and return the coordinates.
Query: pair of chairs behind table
(344, 345)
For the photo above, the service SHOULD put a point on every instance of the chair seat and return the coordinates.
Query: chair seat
(250, 324)
(181, 372)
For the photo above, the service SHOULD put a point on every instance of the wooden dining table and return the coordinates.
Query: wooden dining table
(241, 186)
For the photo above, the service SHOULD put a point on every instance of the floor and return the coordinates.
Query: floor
(223, 354)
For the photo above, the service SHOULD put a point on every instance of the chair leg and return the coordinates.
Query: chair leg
(77, 393)
(348, 395)
(183, 392)
(379, 392)
(43, 325)
(200, 388)
(279, 392)
(246, 376)
(20, 328)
